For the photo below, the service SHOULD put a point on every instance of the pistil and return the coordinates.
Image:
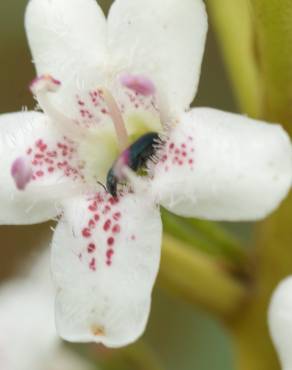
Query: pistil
(117, 119)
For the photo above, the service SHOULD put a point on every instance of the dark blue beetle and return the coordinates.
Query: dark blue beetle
(135, 157)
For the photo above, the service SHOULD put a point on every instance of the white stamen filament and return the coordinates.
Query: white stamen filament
(117, 118)
(40, 88)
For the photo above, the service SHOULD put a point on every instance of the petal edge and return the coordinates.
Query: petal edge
(163, 40)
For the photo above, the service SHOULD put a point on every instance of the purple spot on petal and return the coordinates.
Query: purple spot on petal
(139, 84)
(21, 172)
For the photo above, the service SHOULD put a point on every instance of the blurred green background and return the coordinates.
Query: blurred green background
(183, 338)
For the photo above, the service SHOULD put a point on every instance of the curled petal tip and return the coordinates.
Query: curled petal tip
(44, 83)
(21, 172)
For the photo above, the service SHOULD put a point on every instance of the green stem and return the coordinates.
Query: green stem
(142, 357)
(199, 280)
(273, 24)
(274, 256)
(269, 25)
(138, 356)
(208, 237)
(178, 227)
(225, 242)
(233, 24)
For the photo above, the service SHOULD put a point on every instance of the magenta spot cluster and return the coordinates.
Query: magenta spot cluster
(104, 217)
(179, 154)
(48, 159)
(93, 108)
(139, 101)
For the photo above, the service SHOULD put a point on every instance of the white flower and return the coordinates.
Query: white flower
(28, 338)
(102, 84)
(280, 321)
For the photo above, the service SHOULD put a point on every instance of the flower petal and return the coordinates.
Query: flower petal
(164, 41)
(30, 136)
(223, 166)
(105, 259)
(280, 321)
(27, 311)
(68, 41)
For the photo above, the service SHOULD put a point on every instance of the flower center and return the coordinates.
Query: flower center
(108, 123)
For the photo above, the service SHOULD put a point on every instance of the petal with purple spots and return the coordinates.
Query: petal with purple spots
(106, 256)
(223, 166)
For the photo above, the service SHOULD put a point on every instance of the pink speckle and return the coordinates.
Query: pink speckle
(41, 145)
(43, 148)
(52, 154)
(86, 232)
(116, 229)
(133, 237)
(110, 253)
(40, 173)
(91, 224)
(92, 264)
(110, 241)
(107, 225)
(113, 201)
(39, 156)
(117, 216)
(91, 248)
(106, 209)
(96, 217)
